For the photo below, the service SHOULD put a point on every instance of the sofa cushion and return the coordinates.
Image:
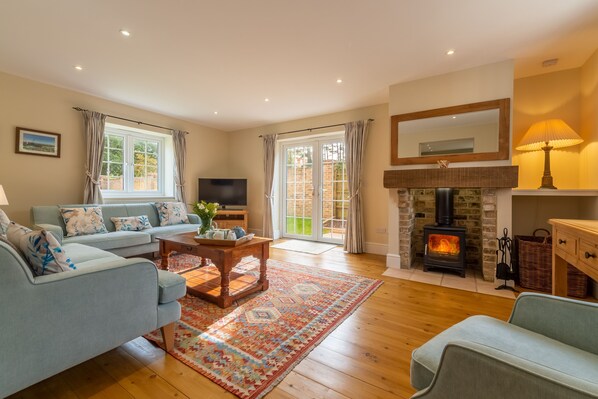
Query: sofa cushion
(148, 209)
(171, 285)
(131, 223)
(507, 338)
(4, 222)
(171, 213)
(14, 234)
(169, 230)
(80, 253)
(84, 220)
(44, 253)
(112, 240)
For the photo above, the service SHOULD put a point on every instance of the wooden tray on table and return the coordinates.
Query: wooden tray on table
(224, 243)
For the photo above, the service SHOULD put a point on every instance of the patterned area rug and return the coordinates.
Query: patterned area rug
(250, 347)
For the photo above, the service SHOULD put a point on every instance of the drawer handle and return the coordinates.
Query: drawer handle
(588, 255)
(561, 241)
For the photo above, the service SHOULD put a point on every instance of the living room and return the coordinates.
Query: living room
(43, 99)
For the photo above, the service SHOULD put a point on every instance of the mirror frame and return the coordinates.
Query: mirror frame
(504, 107)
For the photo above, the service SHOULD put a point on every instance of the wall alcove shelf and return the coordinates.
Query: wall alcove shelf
(555, 193)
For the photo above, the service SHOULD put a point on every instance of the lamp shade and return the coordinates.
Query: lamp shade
(554, 132)
(3, 199)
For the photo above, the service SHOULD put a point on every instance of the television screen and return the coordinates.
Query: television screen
(226, 192)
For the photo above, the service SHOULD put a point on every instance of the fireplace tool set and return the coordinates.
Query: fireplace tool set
(504, 270)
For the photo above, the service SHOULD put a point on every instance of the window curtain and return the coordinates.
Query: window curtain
(94, 141)
(355, 140)
(179, 140)
(269, 158)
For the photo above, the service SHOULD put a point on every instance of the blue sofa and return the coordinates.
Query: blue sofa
(123, 243)
(52, 322)
(547, 350)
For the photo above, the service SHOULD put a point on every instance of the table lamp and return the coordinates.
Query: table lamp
(3, 199)
(546, 135)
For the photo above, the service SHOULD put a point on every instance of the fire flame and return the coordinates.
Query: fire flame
(444, 244)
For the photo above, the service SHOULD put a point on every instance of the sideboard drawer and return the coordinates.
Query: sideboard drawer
(566, 242)
(588, 253)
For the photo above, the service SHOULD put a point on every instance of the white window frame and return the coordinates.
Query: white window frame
(165, 163)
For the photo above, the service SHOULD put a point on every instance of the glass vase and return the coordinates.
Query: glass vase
(206, 224)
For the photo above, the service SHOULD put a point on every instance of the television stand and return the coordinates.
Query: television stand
(227, 219)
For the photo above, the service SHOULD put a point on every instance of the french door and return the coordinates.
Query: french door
(315, 190)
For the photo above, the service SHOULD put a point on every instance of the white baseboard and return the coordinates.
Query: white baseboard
(376, 248)
(393, 261)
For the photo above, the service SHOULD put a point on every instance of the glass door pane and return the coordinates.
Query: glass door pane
(299, 191)
(334, 189)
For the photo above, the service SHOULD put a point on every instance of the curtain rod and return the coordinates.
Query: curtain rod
(314, 128)
(129, 120)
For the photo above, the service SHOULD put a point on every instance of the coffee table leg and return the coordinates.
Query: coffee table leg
(164, 252)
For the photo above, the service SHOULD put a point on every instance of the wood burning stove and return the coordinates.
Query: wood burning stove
(444, 244)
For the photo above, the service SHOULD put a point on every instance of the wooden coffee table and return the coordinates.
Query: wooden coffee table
(225, 286)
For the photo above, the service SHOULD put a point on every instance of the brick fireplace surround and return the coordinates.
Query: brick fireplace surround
(487, 179)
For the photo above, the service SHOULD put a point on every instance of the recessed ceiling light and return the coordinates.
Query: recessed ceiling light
(78, 67)
(266, 99)
(450, 52)
(215, 112)
(125, 32)
(550, 62)
(454, 117)
(339, 81)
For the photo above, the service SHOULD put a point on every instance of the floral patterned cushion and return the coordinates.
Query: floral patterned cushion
(44, 253)
(4, 222)
(172, 213)
(131, 223)
(82, 221)
(14, 234)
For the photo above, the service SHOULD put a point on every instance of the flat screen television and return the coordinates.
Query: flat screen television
(226, 192)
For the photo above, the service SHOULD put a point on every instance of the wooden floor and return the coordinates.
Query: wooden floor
(366, 357)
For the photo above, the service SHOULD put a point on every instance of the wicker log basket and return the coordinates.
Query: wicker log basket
(535, 266)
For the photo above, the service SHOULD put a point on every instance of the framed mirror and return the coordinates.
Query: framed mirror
(462, 133)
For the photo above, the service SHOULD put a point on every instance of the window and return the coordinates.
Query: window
(136, 163)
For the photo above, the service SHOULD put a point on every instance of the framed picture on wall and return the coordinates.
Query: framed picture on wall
(37, 142)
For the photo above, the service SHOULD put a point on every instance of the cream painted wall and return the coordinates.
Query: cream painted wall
(246, 161)
(536, 98)
(35, 180)
(588, 175)
(487, 82)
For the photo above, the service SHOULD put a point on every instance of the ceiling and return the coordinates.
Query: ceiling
(192, 58)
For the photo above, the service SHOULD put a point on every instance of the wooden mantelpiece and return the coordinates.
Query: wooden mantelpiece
(482, 177)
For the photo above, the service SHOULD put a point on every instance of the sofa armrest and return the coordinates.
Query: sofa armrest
(59, 320)
(570, 321)
(193, 218)
(52, 228)
(471, 371)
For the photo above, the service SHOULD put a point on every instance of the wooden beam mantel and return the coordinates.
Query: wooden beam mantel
(482, 177)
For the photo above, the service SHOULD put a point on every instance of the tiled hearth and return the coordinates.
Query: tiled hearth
(473, 280)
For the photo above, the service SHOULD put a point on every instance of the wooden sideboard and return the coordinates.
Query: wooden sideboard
(574, 242)
(227, 219)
